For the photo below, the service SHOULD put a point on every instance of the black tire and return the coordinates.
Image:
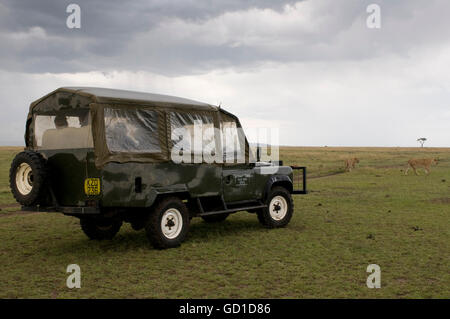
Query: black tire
(30, 188)
(100, 229)
(167, 238)
(137, 225)
(264, 215)
(215, 218)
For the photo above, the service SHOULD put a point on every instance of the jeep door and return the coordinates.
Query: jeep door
(238, 183)
(238, 176)
(193, 146)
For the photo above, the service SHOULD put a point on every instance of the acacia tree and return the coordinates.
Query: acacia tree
(421, 140)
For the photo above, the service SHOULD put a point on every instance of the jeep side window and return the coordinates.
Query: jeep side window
(232, 143)
(191, 133)
(132, 131)
(63, 131)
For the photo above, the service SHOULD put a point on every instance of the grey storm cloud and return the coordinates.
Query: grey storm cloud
(185, 37)
(303, 66)
(108, 27)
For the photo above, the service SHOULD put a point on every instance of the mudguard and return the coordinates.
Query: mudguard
(284, 179)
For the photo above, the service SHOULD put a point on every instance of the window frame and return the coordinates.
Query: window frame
(157, 131)
(193, 153)
(67, 113)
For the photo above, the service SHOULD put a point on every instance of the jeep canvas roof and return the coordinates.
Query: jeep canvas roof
(86, 95)
(155, 108)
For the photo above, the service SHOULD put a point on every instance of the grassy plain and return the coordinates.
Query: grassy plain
(372, 215)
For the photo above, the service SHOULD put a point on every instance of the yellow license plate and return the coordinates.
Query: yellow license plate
(92, 186)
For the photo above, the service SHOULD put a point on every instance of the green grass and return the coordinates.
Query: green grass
(374, 214)
(6, 156)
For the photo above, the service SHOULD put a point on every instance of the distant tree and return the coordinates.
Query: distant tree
(421, 140)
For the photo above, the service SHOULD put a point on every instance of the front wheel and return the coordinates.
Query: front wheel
(279, 210)
(168, 223)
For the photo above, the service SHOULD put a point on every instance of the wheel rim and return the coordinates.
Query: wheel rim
(24, 178)
(171, 223)
(278, 207)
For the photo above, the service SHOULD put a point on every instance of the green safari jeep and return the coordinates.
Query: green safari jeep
(110, 156)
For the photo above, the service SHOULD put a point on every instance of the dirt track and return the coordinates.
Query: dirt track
(4, 213)
(326, 175)
(17, 212)
(9, 206)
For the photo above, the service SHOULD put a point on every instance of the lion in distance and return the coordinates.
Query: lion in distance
(350, 163)
(424, 163)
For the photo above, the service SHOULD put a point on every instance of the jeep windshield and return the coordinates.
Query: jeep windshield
(63, 130)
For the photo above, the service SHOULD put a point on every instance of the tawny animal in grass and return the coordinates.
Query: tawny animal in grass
(424, 163)
(350, 163)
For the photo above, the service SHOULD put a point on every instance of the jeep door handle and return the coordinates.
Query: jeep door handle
(229, 179)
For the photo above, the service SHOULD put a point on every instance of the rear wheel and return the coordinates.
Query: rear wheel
(279, 210)
(168, 223)
(215, 218)
(100, 229)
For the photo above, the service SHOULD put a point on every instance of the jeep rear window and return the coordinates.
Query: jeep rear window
(62, 131)
(132, 131)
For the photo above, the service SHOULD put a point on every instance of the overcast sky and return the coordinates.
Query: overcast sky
(313, 69)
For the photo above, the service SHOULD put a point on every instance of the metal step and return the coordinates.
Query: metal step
(231, 210)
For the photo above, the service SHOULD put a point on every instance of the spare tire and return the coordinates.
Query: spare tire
(27, 178)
